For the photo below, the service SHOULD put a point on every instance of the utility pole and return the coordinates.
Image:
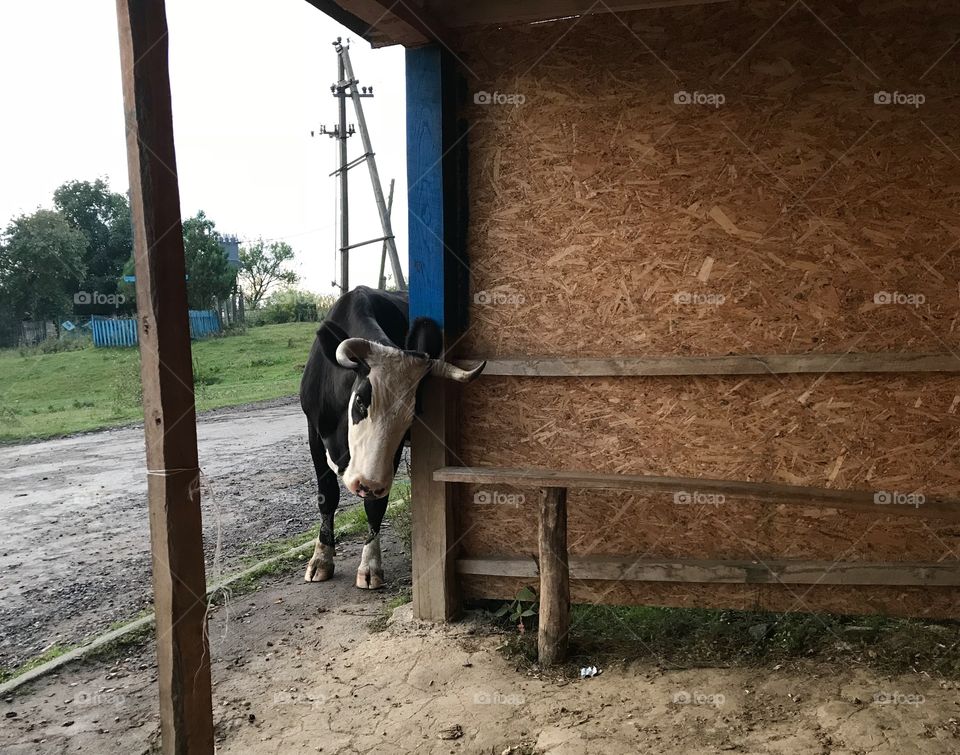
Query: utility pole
(341, 132)
(345, 87)
(344, 194)
(382, 280)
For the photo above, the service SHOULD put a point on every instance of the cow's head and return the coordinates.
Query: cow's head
(384, 398)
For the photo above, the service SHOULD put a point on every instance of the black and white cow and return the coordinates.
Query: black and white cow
(359, 392)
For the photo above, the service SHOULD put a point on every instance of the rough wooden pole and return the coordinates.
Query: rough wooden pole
(433, 228)
(554, 577)
(179, 582)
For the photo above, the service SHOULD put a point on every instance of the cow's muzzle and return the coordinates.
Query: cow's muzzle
(364, 488)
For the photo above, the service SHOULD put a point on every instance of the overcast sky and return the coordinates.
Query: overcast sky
(250, 80)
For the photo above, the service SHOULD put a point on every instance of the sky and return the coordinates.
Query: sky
(250, 80)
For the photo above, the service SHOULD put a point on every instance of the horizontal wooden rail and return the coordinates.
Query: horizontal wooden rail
(690, 490)
(775, 571)
(555, 567)
(758, 364)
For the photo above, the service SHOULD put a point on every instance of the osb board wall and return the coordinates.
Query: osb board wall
(598, 207)
(607, 219)
(931, 602)
(877, 432)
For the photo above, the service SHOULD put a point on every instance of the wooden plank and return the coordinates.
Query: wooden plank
(388, 22)
(688, 490)
(433, 434)
(758, 364)
(183, 658)
(620, 568)
(554, 618)
(456, 13)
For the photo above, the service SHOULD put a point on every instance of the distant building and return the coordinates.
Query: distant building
(231, 248)
(231, 311)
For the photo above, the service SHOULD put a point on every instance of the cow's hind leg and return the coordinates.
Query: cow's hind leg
(320, 566)
(370, 572)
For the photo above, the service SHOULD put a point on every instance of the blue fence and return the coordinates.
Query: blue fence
(123, 331)
(114, 332)
(203, 323)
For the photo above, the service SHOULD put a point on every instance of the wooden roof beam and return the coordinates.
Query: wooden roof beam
(388, 22)
(456, 13)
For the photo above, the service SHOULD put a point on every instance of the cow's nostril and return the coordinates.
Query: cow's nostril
(378, 492)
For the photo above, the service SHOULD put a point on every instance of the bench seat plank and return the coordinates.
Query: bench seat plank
(933, 506)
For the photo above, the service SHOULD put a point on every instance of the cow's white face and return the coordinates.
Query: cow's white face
(382, 406)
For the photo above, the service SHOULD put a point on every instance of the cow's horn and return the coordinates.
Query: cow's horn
(439, 368)
(353, 350)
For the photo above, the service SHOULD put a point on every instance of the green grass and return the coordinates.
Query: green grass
(347, 523)
(49, 394)
(48, 655)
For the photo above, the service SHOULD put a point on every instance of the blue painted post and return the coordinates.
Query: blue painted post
(425, 182)
(431, 185)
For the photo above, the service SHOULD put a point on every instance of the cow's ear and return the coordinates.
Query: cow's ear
(426, 337)
(330, 335)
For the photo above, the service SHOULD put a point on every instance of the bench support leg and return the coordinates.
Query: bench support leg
(554, 577)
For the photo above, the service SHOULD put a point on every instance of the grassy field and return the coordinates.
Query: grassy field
(44, 395)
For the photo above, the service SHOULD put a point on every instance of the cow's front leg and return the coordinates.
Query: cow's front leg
(370, 572)
(320, 566)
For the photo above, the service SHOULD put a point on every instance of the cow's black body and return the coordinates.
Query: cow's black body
(326, 387)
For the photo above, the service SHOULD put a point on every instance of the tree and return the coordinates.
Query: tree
(209, 275)
(293, 305)
(103, 217)
(261, 266)
(41, 265)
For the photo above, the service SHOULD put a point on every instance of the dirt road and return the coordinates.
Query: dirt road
(74, 535)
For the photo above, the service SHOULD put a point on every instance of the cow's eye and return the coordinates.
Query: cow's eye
(360, 407)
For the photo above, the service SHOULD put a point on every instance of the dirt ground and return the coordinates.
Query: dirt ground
(297, 668)
(74, 534)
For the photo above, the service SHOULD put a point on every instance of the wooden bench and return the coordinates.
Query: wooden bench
(555, 567)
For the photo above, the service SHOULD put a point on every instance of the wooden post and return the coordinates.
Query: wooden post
(179, 582)
(554, 577)
(434, 231)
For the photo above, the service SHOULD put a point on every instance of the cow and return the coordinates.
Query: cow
(359, 393)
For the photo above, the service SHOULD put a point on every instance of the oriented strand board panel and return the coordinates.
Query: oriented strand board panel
(927, 602)
(718, 180)
(610, 218)
(897, 434)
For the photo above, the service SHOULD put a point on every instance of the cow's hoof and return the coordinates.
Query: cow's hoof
(369, 579)
(318, 571)
(320, 568)
(370, 571)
